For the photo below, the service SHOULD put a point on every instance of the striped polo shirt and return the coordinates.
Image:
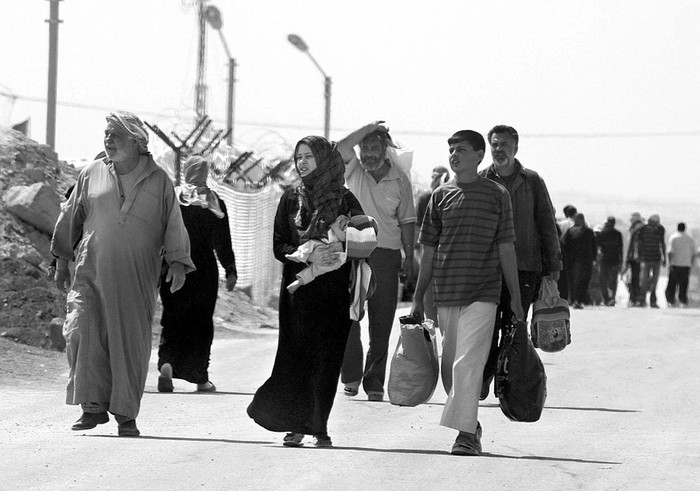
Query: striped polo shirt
(465, 222)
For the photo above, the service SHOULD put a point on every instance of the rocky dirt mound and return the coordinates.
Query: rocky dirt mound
(31, 307)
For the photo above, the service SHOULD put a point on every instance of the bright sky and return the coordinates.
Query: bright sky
(604, 93)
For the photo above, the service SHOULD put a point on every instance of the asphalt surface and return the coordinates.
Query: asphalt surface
(621, 413)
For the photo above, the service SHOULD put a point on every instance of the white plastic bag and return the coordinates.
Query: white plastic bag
(401, 157)
(415, 368)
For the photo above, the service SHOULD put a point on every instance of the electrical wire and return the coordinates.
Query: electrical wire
(573, 136)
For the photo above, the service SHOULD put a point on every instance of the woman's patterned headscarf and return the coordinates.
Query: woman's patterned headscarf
(195, 191)
(323, 189)
(131, 123)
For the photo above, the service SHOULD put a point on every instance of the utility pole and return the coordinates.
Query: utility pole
(230, 98)
(53, 75)
(200, 98)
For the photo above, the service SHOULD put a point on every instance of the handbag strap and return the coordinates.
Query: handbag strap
(549, 292)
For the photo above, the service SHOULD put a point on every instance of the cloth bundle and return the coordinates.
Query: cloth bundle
(360, 242)
(550, 330)
(414, 367)
(361, 236)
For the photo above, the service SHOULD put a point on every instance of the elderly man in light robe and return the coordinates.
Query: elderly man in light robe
(120, 222)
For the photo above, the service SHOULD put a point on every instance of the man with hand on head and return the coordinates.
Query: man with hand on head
(385, 193)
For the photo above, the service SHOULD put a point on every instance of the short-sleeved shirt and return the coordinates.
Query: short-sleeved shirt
(681, 249)
(466, 222)
(389, 201)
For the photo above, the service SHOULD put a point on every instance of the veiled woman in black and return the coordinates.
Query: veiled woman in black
(314, 321)
(188, 328)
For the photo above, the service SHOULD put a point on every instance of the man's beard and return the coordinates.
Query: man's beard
(501, 158)
(371, 163)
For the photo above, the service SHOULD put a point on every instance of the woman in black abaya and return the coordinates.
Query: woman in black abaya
(314, 321)
(188, 328)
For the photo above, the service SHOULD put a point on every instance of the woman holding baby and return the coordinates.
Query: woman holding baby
(314, 320)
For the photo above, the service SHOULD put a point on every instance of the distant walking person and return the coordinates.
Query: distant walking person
(610, 263)
(652, 249)
(633, 261)
(468, 239)
(537, 244)
(120, 222)
(565, 224)
(439, 176)
(579, 244)
(385, 193)
(681, 253)
(188, 328)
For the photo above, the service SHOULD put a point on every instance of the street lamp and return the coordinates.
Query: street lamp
(213, 17)
(299, 43)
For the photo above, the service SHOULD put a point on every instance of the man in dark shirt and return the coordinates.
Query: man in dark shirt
(610, 254)
(652, 249)
(537, 244)
(439, 176)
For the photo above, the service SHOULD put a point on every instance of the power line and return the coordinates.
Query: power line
(573, 136)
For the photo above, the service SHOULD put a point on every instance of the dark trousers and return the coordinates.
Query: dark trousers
(678, 281)
(563, 281)
(582, 272)
(650, 277)
(635, 290)
(529, 289)
(608, 281)
(381, 309)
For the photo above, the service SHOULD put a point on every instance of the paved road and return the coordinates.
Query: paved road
(622, 413)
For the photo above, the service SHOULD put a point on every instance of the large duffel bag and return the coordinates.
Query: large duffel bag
(521, 383)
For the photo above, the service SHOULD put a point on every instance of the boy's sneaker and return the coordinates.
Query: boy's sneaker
(468, 443)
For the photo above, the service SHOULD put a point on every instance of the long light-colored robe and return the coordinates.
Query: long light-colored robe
(117, 244)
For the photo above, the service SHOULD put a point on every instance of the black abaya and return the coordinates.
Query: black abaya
(313, 328)
(188, 329)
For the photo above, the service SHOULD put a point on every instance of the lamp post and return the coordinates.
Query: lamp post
(213, 17)
(299, 43)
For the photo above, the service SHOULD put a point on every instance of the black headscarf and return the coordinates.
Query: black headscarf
(322, 190)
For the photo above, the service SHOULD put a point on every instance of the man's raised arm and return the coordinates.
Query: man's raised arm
(346, 146)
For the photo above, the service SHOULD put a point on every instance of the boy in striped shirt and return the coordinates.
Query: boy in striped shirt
(467, 237)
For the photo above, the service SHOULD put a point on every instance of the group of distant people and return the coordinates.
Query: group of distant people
(486, 241)
(647, 253)
(594, 258)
